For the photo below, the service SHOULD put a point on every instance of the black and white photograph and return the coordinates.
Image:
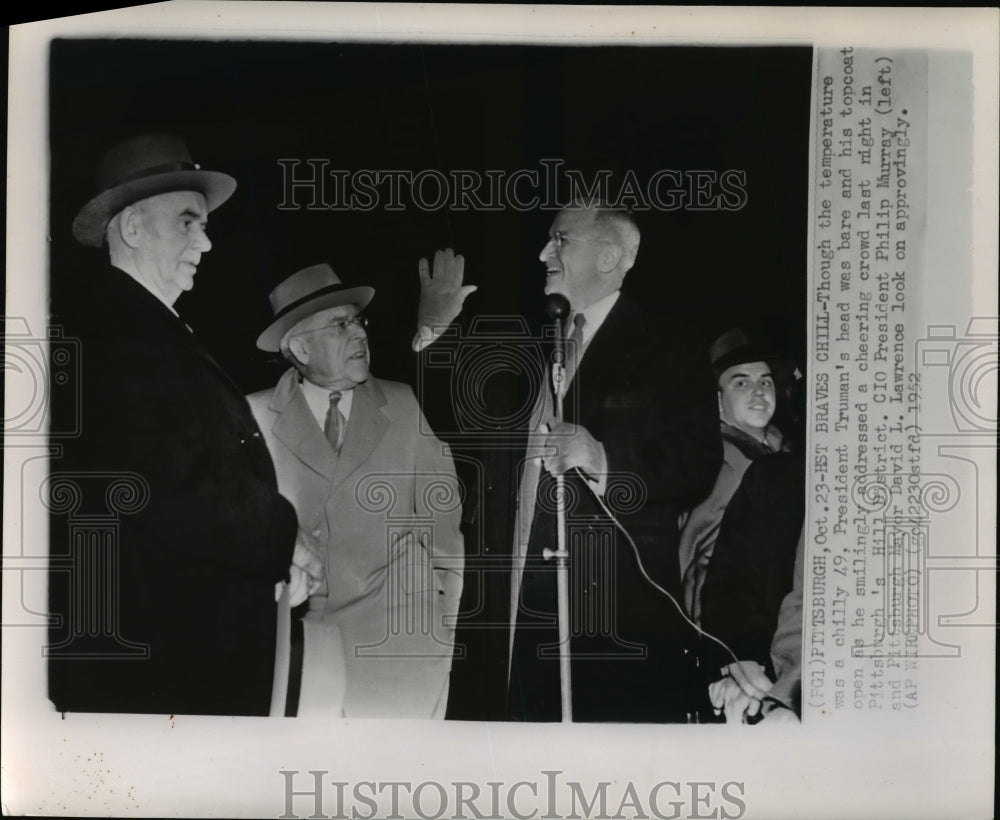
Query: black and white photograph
(359, 161)
(456, 416)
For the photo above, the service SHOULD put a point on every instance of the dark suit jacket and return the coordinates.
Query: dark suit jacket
(751, 570)
(170, 607)
(648, 397)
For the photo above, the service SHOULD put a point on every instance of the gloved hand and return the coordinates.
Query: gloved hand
(441, 296)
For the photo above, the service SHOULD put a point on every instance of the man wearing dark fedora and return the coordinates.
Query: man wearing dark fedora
(741, 541)
(181, 617)
(376, 489)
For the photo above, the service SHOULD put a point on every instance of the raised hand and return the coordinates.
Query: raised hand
(442, 295)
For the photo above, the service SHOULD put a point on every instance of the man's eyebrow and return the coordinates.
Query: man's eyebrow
(193, 214)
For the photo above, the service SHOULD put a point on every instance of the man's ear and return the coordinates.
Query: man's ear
(299, 350)
(608, 258)
(129, 226)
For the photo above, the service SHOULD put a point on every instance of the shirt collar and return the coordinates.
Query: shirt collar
(318, 399)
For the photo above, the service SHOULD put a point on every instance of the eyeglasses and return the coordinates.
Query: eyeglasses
(559, 239)
(341, 326)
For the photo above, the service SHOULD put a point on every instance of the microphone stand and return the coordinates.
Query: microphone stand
(558, 308)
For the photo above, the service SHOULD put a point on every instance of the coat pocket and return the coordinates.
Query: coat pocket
(410, 563)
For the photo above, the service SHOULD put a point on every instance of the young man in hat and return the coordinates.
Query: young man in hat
(378, 491)
(175, 611)
(741, 574)
(747, 400)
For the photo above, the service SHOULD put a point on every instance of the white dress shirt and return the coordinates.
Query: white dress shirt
(318, 399)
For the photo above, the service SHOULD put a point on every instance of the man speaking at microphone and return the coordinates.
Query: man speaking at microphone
(638, 440)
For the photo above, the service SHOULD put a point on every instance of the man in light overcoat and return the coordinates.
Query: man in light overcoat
(378, 491)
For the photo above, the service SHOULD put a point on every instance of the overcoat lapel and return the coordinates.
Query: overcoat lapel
(609, 358)
(297, 429)
(365, 429)
(156, 311)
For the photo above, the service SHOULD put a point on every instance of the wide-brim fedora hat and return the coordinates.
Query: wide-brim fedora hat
(142, 167)
(735, 347)
(304, 293)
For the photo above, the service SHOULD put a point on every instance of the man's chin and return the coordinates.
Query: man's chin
(757, 429)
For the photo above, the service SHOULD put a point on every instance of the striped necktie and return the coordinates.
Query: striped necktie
(333, 427)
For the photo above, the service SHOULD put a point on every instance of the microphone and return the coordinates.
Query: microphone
(557, 307)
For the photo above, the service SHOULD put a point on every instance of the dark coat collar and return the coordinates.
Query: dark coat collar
(116, 297)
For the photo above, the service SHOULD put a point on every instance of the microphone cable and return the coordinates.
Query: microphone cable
(642, 569)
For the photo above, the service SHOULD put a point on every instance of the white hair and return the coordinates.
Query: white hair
(616, 224)
(284, 347)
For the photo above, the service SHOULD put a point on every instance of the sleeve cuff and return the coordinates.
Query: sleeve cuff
(599, 482)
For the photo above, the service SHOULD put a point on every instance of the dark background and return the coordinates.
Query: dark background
(242, 106)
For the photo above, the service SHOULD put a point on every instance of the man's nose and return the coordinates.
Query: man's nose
(201, 241)
(547, 251)
(758, 389)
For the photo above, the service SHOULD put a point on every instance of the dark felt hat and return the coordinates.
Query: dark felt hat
(142, 167)
(304, 293)
(736, 347)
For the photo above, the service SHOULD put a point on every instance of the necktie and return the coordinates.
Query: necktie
(333, 426)
(575, 347)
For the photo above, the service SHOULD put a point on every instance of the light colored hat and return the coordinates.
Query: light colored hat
(142, 167)
(304, 293)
